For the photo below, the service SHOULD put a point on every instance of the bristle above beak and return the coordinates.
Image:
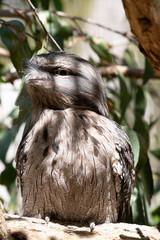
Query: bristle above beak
(25, 63)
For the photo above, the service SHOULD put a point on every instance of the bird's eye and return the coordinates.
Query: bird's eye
(62, 72)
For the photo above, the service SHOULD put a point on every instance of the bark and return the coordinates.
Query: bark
(24, 228)
(144, 19)
(113, 70)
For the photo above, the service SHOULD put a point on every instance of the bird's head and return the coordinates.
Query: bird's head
(60, 80)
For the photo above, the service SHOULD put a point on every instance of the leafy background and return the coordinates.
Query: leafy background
(132, 101)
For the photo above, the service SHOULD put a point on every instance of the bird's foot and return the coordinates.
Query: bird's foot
(39, 216)
(47, 219)
(92, 226)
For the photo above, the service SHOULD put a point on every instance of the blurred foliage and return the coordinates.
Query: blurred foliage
(127, 100)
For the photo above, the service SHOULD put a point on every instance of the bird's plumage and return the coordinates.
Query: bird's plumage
(74, 163)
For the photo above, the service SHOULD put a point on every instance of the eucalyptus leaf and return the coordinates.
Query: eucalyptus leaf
(143, 155)
(140, 102)
(45, 4)
(58, 5)
(124, 94)
(8, 176)
(59, 29)
(1, 80)
(101, 49)
(147, 180)
(13, 37)
(35, 3)
(129, 58)
(156, 215)
(149, 71)
(142, 127)
(156, 153)
(5, 141)
(138, 215)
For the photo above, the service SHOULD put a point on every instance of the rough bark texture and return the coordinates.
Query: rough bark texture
(25, 228)
(4, 233)
(144, 18)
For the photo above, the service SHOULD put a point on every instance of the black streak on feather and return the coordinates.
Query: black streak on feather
(45, 133)
(45, 152)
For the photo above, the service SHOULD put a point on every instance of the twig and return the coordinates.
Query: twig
(90, 21)
(11, 77)
(11, 13)
(112, 71)
(46, 32)
(36, 39)
(4, 52)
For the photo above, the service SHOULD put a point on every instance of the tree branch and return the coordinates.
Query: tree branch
(4, 52)
(22, 13)
(144, 18)
(90, 21)
(46, 32)
(112, 71)
(13, 12)
(32, 228)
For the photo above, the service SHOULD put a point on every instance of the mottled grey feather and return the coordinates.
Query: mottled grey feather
(74, 164)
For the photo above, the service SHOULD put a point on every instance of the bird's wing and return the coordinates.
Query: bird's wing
(20, 160)
(123, 171)
(111, 144)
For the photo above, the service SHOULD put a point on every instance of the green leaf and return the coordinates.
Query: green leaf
(8, 176)
(13, 36)
(149, 71)
(40, 51)
(138, 213)
(13, 197)
(45, 4)
(156, 153)
(143, 155)
(140, 102)
(147, 180)
(124, 95)
(129, 58)
(14, 113)
(35, 3)
(6, 139)
(2, 81)
(142, 127)
(59, 29)
(156, 211)
(156, 216)
(58, 5)
(144, 186)
(132, 87)
(153, 123)
(101, 49)
(134, 143)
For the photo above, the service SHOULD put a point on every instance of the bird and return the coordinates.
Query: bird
(74, 163)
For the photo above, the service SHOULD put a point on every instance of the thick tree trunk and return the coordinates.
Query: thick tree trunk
(13, 227)
(144, 19)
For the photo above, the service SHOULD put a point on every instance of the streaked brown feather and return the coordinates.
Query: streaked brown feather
(75, 182)
(74, 163)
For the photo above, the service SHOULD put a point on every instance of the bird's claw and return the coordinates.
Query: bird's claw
(92, 226)
(47, 219)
